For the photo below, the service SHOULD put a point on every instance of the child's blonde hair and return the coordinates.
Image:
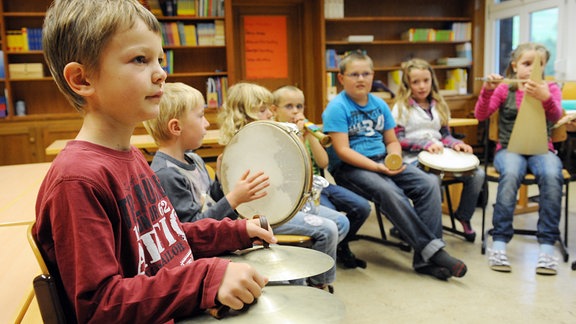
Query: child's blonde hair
(517, 53)
(178, 99)
(78, 31)
(278, 93)
(241, 107)
(405, 92)
(352, 57)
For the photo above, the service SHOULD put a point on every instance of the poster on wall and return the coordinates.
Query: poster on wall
(265, 44)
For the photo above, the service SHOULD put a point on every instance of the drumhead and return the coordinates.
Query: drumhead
(274, 148)
(449, 160)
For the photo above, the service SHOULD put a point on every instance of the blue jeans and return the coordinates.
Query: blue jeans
(411, 200)
(357, 208)
(327, 229)
(547, 168)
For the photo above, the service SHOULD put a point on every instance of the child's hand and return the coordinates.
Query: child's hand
(537, 89)
(257, 232)
(462, 147)
(241, 285)
(436, 148)
(248, 188)
(383, 169)
(299, 121)
(492, 85)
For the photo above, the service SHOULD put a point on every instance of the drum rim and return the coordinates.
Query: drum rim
(305, 191)
(426, 164)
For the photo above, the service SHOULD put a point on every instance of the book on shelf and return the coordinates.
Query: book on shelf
(205, 33)
(334, 8)
(216, 91)
(190, 38)
(464, 50)
(394, 80)
(462, 31)
(331, 88)
(3, 107)
(186, 8)
(25, 70)
(457, 80)
(453, 61)
(219, 38)
(2, 71)
(441, 35)
(360, 38)
(169, 61)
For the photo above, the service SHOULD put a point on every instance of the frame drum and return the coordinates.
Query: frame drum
(275, 149)
(448, 163)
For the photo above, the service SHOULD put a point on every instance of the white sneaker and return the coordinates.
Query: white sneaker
(547, 264)
(499, 261)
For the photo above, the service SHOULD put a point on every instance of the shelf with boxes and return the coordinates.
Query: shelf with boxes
(27, 84)
(390, 33)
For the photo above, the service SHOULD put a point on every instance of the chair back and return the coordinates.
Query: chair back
(569, 91)
(46, 288)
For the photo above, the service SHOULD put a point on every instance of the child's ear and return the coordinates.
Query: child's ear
(75, 75)
(174, 126)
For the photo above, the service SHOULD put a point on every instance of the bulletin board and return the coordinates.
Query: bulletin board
(266, 48)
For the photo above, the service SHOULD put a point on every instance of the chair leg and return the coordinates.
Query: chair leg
(484, 233)
(384, 239)
(450, 210)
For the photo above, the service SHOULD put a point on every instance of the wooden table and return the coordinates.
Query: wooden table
(144, 142)
(20, 184)
(459, 122)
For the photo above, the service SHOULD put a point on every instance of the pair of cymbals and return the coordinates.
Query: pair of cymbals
(284, 304)
(281, 262)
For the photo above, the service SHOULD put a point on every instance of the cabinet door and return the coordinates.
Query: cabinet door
(18, 144)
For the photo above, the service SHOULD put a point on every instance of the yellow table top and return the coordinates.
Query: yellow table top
(21, 183)
(211, 137)
(457, 122)
(139, 141)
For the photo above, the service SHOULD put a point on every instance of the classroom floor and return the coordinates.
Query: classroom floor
(389, 291)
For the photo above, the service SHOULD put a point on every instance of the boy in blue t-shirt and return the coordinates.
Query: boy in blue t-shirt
(362, 130)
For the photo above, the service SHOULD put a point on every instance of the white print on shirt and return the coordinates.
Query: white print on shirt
(150, 243)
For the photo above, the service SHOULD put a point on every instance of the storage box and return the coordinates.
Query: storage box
(418, 35)
(26, 70)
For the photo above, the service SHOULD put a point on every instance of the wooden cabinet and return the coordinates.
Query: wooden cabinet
(387, 20)
(49, 116)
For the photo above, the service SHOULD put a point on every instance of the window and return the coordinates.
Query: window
(511, 22)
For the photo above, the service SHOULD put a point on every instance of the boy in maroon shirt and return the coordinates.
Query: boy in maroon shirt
(106, 228)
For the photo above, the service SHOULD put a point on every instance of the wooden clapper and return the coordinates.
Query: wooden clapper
(529, 134)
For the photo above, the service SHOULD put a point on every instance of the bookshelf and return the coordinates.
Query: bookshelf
(49, 116)
(386, 27)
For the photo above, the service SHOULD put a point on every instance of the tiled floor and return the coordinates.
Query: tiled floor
(389, 291)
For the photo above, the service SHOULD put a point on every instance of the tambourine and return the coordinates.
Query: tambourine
(448, 163)
(275, 149)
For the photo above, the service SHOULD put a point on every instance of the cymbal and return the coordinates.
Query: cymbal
(282, 262)
(284, 304)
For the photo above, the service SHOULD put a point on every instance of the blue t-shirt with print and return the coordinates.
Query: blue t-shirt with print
(365, 125)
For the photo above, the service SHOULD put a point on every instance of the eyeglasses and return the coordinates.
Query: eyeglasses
(356, 75)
